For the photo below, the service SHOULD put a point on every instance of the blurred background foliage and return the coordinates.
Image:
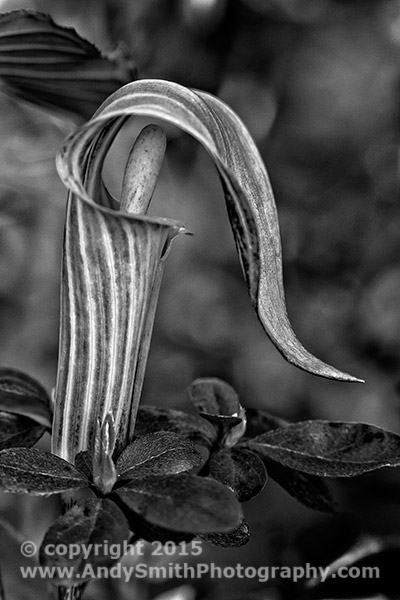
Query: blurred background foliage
(317, 84)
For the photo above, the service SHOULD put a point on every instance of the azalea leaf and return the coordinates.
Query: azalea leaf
(84, 463)
(148, 531)
(50, 65)
(329, 448)
(310, 490)
(151, 419)
(161, 453)
(260, 421)
(239, 536)
(228, 429)
(248, 194)
(239, 469)
(218, 403)
(17, 431)
(215, 397)
(182, 502)
(93, 527)
(22, 395)
(34, 471)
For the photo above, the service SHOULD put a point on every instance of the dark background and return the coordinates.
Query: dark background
(317, 84)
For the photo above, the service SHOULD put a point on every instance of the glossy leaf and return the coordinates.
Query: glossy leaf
(239, 536)
(215, 397)
(151, 419)
(93, 527)
(50, 65)
(239, 469)
(248, 194)
(22, 395)
(183, 502)
(228, 429)
(218, 403)
(260, 421)
(161, 453)
(148, 531)
(36, 472)
(310, 490)
(17, 431)
(329, 448)
(84, 463)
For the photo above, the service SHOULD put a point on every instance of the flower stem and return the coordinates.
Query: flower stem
(73, 592)
(142, 170)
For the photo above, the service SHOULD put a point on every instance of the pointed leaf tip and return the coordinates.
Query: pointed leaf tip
(34, 471)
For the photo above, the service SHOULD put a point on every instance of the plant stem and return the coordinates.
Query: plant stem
(73, 592)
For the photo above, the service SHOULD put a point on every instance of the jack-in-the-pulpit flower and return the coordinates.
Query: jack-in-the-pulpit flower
(112, 259)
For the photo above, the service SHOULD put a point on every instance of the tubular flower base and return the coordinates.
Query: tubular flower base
(112, 270)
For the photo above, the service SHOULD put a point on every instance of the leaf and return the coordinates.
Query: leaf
(94, 533)
(329, 448)
(112, 267)
(310, 490)
(50, 65)
(248, 194)
(151, 419)
(218, 403)
(260, 421)
(22, 395)
(182, 502)
(161, 453)
(239, 536)
(17, 431)
(240, 470)
(104, 471)
(36, 472)
(214, 397)
(148, 531)
(84, 463)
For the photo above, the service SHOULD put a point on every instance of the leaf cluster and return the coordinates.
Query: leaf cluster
(149, 491)
(160, 487)
(246, 445)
